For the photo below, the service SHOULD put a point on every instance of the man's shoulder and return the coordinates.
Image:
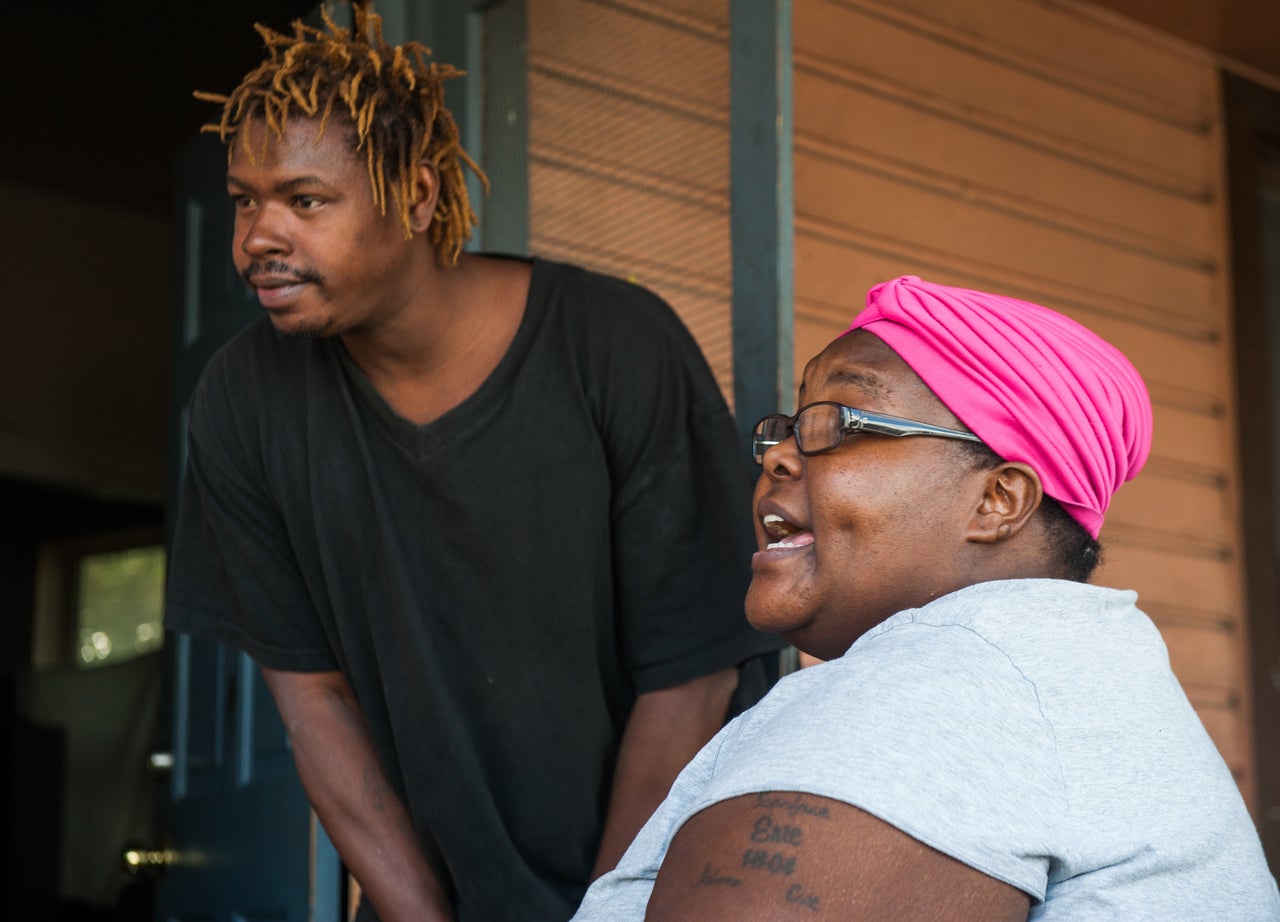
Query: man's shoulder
(598, 292)
(611, 311)
(575, 273)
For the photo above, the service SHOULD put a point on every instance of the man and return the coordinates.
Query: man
(989, 737)
(482, 521)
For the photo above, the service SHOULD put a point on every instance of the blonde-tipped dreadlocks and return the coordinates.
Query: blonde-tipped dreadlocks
(393, 97)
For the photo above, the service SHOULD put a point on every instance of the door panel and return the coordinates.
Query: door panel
(245, 844)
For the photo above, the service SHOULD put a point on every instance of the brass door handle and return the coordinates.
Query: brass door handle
(147, 863)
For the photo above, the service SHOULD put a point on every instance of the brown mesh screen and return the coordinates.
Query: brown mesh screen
(629, 150)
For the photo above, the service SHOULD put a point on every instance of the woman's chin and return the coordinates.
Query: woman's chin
(768, 617)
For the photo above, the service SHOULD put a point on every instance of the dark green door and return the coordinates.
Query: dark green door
(245, 846)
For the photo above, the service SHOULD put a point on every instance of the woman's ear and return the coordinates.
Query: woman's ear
(426, 192)
(1011, 494)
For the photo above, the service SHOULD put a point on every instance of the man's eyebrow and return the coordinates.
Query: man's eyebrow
(287, 185)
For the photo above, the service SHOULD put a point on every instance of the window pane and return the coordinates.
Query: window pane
(119, 605)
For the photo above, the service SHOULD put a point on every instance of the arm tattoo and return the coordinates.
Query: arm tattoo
(776, 837)
(711, 878)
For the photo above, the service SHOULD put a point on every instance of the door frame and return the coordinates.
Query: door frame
(1252, 115)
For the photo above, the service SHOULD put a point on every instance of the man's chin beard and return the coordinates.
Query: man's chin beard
(300, 334)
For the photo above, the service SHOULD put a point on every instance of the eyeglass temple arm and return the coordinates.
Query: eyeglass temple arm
(886, 425)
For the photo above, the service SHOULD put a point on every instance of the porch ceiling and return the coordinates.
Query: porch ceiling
(1244, 31)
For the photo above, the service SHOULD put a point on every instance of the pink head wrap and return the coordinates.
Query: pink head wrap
(1034, 385)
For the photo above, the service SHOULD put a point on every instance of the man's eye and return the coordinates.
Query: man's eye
(242, 201)
(307, 201)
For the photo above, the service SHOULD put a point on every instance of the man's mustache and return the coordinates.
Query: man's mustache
(278, 270)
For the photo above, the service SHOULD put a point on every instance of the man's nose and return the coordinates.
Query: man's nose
(265, 234)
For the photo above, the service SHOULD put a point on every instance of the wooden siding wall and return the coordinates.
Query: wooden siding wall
(1037, 150)
(629, 150)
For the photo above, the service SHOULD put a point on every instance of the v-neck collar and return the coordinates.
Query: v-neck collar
(473, 411)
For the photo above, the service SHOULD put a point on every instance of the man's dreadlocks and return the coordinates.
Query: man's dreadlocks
(393, 98)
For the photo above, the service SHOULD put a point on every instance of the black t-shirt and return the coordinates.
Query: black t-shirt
(497, 585)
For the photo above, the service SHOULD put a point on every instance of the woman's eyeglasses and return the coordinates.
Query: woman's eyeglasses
(822, 426)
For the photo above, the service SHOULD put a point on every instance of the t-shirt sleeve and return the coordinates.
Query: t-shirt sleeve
(232, 576)
(681, 513)
(930, 728)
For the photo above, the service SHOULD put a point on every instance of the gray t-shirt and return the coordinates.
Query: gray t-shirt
(1031, 729)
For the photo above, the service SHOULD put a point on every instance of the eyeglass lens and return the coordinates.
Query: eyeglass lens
(769, 432)
(817, 428)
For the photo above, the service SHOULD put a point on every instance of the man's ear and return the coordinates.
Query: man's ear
(426, 193)
(1011, 494)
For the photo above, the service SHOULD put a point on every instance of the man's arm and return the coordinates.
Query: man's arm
(665, 730)
(768, 856)
(360, 811)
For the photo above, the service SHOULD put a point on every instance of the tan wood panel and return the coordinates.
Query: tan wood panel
(906, 214)
(1064, 35)
(1162, 577)
(608, 40)
(1194, 510)
(934, 148)
(1202, 654)
(819, 242)
(810, 338)
(629, 135)
(1195, 365)
(1193, 438)
(835, 265)
(825, 257)
(974, 84)
(832, 278)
